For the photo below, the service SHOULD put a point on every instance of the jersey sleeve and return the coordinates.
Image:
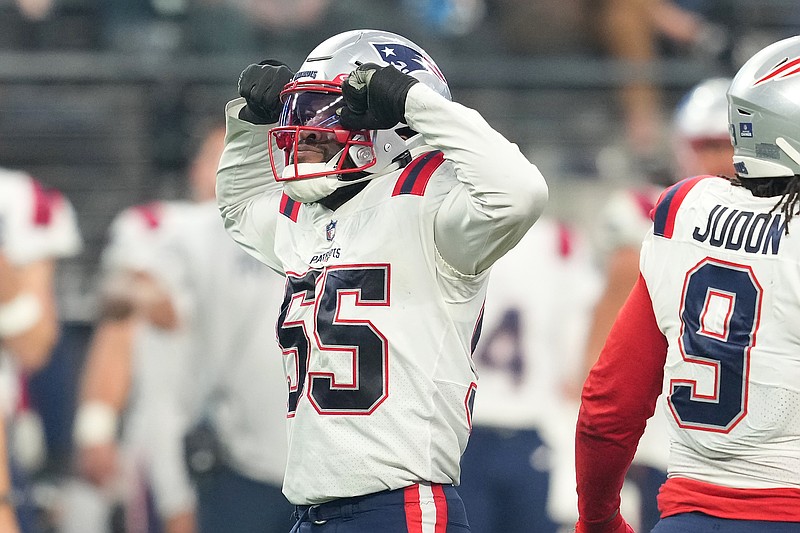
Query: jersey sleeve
(132, 237)
(39, 223)
(618, 397)
(247, 193)
(500, 193)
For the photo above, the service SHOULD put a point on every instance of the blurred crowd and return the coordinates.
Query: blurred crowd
(131, 418)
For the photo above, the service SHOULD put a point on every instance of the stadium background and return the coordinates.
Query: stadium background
(103, 99)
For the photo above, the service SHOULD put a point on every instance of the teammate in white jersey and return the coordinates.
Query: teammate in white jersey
(133, 341)
(712, 323)
(37, 227)
(385, 204)
(701, 145)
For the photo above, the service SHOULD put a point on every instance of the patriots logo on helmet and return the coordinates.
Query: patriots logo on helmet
(406, 59)
(782, 70)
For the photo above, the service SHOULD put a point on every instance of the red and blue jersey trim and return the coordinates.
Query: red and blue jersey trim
(668, 204)
(414, 179)
(289, 208)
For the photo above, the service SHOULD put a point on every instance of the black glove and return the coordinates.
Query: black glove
(261, 86)
(375, 97)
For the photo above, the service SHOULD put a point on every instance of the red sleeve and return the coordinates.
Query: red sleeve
(618, 397)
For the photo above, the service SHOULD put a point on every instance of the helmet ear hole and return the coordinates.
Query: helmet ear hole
(361, 155)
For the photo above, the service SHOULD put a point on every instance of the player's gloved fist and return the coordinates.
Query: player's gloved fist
(615, 525)
(261, 86)
(375, 97)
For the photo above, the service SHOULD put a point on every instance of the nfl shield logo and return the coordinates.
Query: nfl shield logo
(330, 230)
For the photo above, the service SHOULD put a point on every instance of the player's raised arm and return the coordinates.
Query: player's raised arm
(247, 193)
(501, 193)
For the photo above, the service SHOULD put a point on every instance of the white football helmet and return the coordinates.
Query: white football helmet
(312, 98)
(701, 137)
(764, 112)
(703, 112)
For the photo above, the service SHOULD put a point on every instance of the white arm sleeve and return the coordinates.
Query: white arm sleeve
(501, 193)
(173, 492)
(247, 193)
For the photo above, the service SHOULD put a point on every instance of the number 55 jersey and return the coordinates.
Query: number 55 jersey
(724, 279)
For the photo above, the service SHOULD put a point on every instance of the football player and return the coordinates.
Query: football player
(385, 204)
(37, 227)
(711, 322)
(701, 145)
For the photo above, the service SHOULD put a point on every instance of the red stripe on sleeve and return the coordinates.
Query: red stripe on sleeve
(289, 207)
(151, 213)
(676, 201)
(44, 202)
(398, 186)
(565, 238)
(425, 174)
(415, 177)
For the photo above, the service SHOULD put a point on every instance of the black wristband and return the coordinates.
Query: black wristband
(393, 86)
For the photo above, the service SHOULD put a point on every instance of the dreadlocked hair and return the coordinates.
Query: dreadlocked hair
(788, 188)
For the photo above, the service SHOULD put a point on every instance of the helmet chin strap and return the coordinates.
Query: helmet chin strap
(309, 190)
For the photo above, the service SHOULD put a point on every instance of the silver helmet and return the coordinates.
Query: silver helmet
(764, 112)
(312, 98)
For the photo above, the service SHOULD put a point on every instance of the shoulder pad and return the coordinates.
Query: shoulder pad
(414, 178)
(669, 202)
(289, 208)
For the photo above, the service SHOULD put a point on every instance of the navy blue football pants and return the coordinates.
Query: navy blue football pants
(702, 523)
(648, 481)
(505, 481)
(424, 508)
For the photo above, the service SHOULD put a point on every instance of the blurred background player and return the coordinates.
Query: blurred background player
(135, 337)
(534, 326)
(228, 388)
(701, 145)
(37, 227)
(149, 332)
(8, 516)
(711, 322)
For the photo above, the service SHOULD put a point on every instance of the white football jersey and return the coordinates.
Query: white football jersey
(133, 246)
(725, 286)
(377, 353)
(35, 224)
(376, 326)
(134, 234)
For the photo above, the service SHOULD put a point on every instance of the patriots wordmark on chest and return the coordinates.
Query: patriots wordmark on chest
(734, 229)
